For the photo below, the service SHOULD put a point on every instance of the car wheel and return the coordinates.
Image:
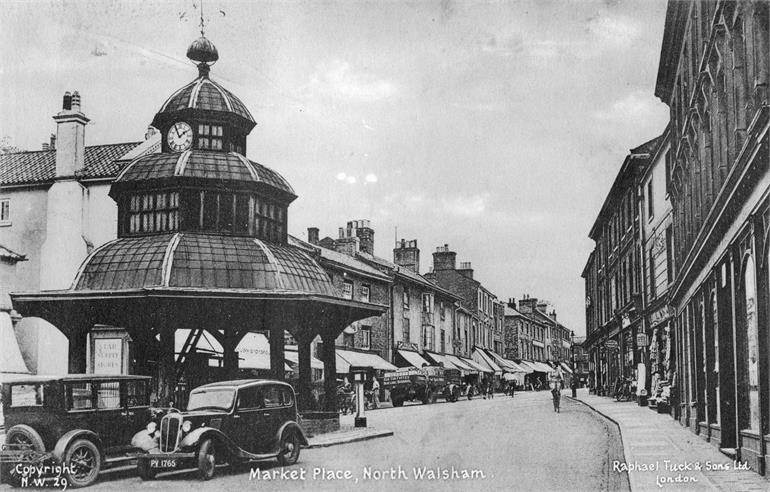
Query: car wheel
(207, 460)
(83, 461)
(288, 450)
(397, 402)
(20, 435)
(144, 470)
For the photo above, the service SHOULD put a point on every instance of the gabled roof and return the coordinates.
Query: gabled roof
(406, 273)
(39, 167)
(509, 311)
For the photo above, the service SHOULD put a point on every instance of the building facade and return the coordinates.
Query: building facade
(713, 75)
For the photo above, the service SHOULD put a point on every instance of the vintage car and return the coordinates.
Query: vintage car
(229, 421)
(78, 422)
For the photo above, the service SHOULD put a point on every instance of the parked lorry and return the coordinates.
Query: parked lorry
(425, 384)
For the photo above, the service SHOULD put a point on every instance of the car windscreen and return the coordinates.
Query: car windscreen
(211, 398)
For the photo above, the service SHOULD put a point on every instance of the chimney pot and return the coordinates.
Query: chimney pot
(76, 101)
(67, 102)
(312, 235)
(52, 144)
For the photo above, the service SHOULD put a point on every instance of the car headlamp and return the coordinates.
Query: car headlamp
(151, 427)
(186, 426)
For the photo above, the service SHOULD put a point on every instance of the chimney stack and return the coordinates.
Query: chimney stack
(312, 235)
(466, 270)
(407, 254)
(443, 259)
(363, 231)
(70, 136)
(528, 304)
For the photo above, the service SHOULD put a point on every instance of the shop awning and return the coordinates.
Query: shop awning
(528, 366)
(460, 364)
(413, 358)
(476, 365)
(442, 359)
(480, 357)
(507, 365)
(541, 367)
(293, 357)
(362, 359)
(566, 367)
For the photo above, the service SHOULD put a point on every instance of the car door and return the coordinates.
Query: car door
(272, 416)
(111, 417)
(247, 418)
(135, 407)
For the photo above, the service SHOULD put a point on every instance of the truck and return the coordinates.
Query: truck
(425, 384)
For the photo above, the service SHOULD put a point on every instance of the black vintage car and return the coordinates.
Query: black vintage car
(230, 421)
(79, 422)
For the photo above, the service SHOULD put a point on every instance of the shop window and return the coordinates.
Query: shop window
(365, 293)
(405, 335)
(347, 289)
(136, 393)
(366, 337)
(5, 211)
(751, 364)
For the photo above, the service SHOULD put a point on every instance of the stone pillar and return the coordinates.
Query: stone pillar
(276, 351)
(329, 357)
(304, 399)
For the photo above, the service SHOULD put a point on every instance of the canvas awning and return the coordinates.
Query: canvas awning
(293, 357)
(477, 366)
(507, 365)
(460, 364)
(527, 366)
(541, 367)
(442, 359)
(565, 367)
(480, 357)
(413, 358)
(347, 358)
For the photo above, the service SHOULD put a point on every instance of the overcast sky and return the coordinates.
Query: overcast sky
(494, 127)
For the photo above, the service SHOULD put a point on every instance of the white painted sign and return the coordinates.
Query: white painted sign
(108, 356)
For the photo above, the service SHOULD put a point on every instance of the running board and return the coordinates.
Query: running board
(118, 460)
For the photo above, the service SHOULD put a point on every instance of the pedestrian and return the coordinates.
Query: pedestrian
(556, 394)
(491, 390)
(513, 388)
(484, 390)
(376, 393)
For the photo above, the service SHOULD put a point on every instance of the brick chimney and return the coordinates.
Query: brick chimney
(70, 136)
(312, 235)
(466, 270)
(443, 259)
(407, 254)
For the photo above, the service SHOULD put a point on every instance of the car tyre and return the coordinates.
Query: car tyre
(288, 448)
(83, 461)
(398, 402)
(207, 460)
(144, 470)
(20, 434)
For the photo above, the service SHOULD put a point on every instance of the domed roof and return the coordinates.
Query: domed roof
(201, 164)
(201, 261)
(205, 94)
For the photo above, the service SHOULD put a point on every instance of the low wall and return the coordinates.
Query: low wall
(314, 423)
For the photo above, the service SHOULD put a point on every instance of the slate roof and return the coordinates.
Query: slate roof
(405, 272)
(204, 93)
(341, 259)
(201, 261)
(38, 167)
(509, 311)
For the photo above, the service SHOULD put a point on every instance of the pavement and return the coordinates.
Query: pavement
(345, 435)
(661, 454)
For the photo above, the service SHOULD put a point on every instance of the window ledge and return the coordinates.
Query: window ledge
(5, 223)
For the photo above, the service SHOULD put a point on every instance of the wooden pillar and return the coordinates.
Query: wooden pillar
(329, 356)
(78, 339)
(304, 399)
(229, 355)
(166, 365)
(276, 351)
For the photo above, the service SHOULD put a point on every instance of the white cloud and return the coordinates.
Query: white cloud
(341, 176)
(338, 79)
(619, 30)
(371, 178)
(471, 206)
(351, 180)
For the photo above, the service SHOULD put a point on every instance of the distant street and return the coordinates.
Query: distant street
(504, 444)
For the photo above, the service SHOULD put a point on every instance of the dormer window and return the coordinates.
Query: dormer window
(210, 137)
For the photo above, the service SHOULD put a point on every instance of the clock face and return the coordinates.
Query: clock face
(180, 136)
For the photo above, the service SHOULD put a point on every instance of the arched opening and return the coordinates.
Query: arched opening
(749, 370)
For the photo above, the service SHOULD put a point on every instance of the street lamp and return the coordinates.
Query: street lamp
(572, 363)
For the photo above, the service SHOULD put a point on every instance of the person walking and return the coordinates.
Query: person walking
(556, 394)
(376, 393)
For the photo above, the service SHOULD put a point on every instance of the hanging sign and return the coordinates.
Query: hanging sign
(641, 339)
(611, 344)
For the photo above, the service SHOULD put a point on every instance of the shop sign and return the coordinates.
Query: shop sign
(108, 356)
(641, 339)
(659, 316)
(611, 344)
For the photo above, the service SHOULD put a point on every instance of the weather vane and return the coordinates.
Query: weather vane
(203, 21)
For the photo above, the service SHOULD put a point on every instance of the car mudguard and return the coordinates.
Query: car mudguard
(201, 433)
(64, 441)
(295, 426)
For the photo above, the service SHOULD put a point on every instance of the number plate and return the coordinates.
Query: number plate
(162, 463)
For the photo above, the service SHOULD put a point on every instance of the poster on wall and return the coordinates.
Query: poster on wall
(108, 356)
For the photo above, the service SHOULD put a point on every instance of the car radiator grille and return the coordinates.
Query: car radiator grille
(170, 431)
